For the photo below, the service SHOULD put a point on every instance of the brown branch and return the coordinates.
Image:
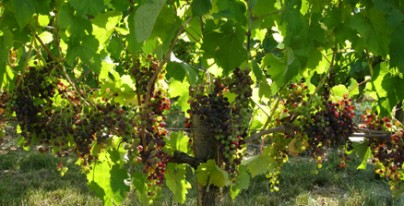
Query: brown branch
(181, 157)
(369, 135)
(372, 131)
(265, 132)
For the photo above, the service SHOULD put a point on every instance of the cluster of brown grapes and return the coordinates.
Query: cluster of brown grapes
(331, 126)
(3, 112)
(387, 148)
(228, 122)
(151, 132)
(71, 127)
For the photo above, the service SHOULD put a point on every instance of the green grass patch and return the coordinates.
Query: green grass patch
(31, 178)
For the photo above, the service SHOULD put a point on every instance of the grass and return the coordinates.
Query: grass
(31, 178)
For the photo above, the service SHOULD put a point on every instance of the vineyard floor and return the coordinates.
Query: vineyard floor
(31, 178)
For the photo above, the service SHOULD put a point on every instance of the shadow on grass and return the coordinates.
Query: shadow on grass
(31, 178)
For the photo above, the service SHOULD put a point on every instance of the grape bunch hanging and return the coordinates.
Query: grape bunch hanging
(387, 146)
(331, 126)
(69, 125)
(227, 121)
(148, 147)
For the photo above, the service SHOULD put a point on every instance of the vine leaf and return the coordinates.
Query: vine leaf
(180, 70)
(177, 142)
(176, 181)
(23, 10)
(225, 45)
(260, 164)
(106, 179)
(104, 25)
(177, 88)
(210, 174)
(242, 182)
(87, 7)
(6, 42)
(145, 18)
(86, 50)
(353, 88)
(339, 90)
(364, 153)
(397, 49)
(390, 92)
(200, 7)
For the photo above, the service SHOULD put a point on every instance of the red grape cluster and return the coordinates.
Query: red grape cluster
(151, 130)
(154, 131)
(387, 147)
(227, 121)
(331, 126)
(294, 101)
(31, 98)
(75, 126)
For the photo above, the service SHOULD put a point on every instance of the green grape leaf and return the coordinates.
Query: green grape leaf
(256, 70)
(120, 5)
(200, 7)
(264, 89)
(210, 174)
(339, 91)
(104, 25)
(139, 181)
(165, 29)
(226, 46)
(353, 88)
(177, 141)
(115, 47)
(178, 70)
(24, 11)
(107, 180)
(364, 153)
(145, 18)
(258, 165)
(176, 181)
(397, 49)
(87, 7)
(388, 88)
(86, 50)
(181, 89)
(242, 182)
(276, 68)
(6, 43)
(231, 9)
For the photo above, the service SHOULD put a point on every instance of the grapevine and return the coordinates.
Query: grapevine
(227, 121)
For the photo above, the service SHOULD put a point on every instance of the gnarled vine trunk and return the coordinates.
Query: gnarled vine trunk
(205, 148)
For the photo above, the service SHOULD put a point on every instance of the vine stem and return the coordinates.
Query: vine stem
(265, 132)
(152, 80)
(53, 57)
(250, 20)
(163, 62)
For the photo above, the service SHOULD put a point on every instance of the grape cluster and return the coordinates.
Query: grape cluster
(387, 148)
(32, 95)
(294, 105)
(75, 126)
(227, 121)
(150, 128)
(142, 74)
(331, 126)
